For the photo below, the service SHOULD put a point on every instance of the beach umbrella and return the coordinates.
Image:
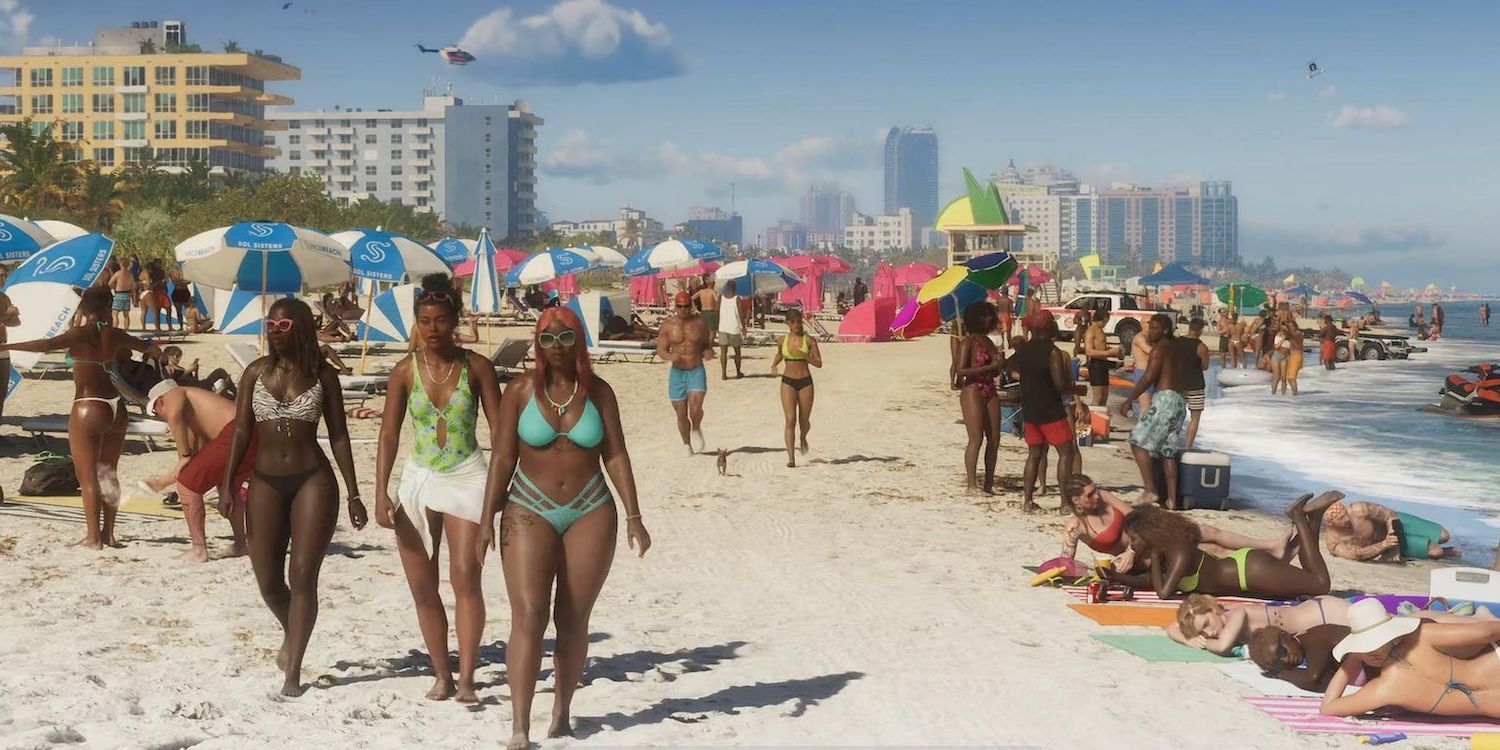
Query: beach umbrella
(970, 281)
(755, 276)
(1300, 290)
(549, 264)
(484, 293)
(691, 272)
(915, 274)
(670, 255)
(43, 289)
(608, 256)
(60, 230)
(645, 291)
(883, 283)
(1241, 295)
(504, 259)
(389, 256)
(915, 319)
(820, 263)
(264, 256)
(20, 239)
(1172, 275)
(1350, 294)
(391, 316)
(453, 250)
(240, 312)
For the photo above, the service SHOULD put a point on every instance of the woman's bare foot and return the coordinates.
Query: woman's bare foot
(91, 542)
(238, 549)
(519, 741)
(196, 554)
(442, 689)
(466, 692)
(803, 447)
(1298, 506)
(561, 727)
(292, 688)
(281, 656)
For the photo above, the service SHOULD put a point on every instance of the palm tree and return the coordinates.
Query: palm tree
(99, 198)
(148, 46)
(232, 46)
(631, 236)
(35, 169)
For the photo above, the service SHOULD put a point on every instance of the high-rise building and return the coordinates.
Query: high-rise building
(714, 224)
(911, 173)
(875, 234)
(469, 163)
(826, 209)
(786, 235)
(1199, 226)
(632, 229)
(142, 91)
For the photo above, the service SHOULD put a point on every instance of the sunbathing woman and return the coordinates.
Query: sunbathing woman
(1170, 544)
(1438, 668)
(559, 521)
(1305, 660)
(1099, 517)
(800, 353)
(442, 484)
(1205, 622)
(293, 496)
(96, 423)
(975, 367)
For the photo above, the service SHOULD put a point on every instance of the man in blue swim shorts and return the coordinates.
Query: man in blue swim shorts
(684, 342)
(1159, 435)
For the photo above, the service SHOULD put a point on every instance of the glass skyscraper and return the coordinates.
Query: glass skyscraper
(911, 173)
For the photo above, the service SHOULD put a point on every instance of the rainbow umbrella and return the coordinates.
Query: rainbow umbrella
(916, 319)
(970, 281)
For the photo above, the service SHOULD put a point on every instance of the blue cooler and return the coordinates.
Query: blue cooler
(1203, 480)
(1010, 419)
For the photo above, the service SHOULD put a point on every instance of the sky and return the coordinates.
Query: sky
(1384, 165)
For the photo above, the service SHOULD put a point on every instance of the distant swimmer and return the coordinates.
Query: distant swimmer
(1371, 532)
(1328, 338)
(1484, 313)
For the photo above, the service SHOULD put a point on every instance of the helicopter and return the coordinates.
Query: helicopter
(453, 54)
(1313, 71)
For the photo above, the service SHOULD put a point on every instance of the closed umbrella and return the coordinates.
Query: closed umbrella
(44, 289)
(484, 294)
(20, 239)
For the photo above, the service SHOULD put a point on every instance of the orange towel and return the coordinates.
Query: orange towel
(1126, 614)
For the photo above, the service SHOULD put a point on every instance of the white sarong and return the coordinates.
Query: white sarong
(457, 492)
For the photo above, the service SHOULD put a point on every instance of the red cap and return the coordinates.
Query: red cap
(683, 299)
(1040, 320)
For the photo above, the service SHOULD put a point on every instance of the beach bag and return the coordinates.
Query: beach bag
(53, 475)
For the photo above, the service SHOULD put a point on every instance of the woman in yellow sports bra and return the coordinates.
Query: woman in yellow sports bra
(800, 353)
(548, 475)
(1170, 542)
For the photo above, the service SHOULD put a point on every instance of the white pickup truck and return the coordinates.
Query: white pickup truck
(1127, 314)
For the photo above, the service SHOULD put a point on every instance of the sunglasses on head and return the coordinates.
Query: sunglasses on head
(436, 295)
(547, 339)
(278, 326)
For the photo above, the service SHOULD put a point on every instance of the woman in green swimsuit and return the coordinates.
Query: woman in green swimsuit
(1170, 541)
(558, 521)
(442, 484)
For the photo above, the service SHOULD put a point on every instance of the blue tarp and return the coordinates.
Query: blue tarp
(1173, 275)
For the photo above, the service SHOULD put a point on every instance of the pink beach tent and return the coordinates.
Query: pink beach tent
(808, 294)
(884, 282)
(646, 292)
(869, 320)
(506, 258)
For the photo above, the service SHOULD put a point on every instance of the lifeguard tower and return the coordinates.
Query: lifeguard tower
(976, 223)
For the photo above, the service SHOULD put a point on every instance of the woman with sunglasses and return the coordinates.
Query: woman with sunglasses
(558, 521)
(293, 496)
(96, 423)
(442, 484)
(800, 353)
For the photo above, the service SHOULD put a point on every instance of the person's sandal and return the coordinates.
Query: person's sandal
(171, 501)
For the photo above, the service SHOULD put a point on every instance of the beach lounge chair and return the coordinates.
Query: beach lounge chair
(145, 429)
(510, 357)
(356, 387)
(819, 332)
(624, 351)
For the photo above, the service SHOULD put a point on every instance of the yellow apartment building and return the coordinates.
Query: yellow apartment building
(144, 90)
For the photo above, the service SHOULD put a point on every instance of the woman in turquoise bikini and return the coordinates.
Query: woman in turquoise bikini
(558, 521)
(442, 484)
(1170, 541)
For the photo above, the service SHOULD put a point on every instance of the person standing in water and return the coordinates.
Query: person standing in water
(1438, 317)
(1484, 313)
(1159, 434)
(443, 483)
(293, 497)
(557, 519)
(96, 422)
(1328, 343)
(800, 353)
(1196, 391)
(683, 341)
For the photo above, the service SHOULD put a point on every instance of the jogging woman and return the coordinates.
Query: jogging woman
(800, 353)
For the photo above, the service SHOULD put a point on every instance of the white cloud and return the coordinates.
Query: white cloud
(1328, 92)
(573, 42)
(15, 24)
(1106, 173)
(1378, 117)
(1276, 96)
(1367, 245)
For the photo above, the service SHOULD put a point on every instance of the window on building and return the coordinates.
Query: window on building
(72, 103)
(104, 130)
(295, 155)
(346, 139)
(198, 102)
(343, 123)
(135, 154)
(166, 75)
(369, 138)
(396, 170)
(294, 124)
(486, 200)
(195, 75)
(320, 123)
(369, 123)
(268, 139)
(134, 75)
(487, 137)
(421, 203)
(396, 186)
(421, 122)
(346, 171)
(396, 123)
(72, 131)
(41, 104)
(134, 103)
(370, 186)
(104, 157)
(395, 138)
(197, 129)
(371, 171)
(294, 139)
(104, 75)
(41, 78)
(166, 102)
(486, 186)
(423, 170)
(72, 76)
(395, 153)
(487, 169)
(294, 170)
(134, 130)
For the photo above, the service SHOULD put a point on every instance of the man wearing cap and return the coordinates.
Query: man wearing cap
(202, 424)
(685, 342)
(1045, 379)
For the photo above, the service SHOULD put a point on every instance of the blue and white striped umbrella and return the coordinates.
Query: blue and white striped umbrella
(484, 293)
(671, 255)
(271, 257)
(608, 256)
(19, 239)
(755, 276)
(391, 317)
(453, 250)
(388, 256)
(550, 264)
(238, 312)
(42, 288)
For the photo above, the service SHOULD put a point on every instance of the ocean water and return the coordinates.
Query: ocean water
(1359, 430)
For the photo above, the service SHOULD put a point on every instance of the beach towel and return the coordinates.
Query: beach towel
(1301, 714)
(1250, 674)
(71, 508)
(1126, 614)
(1147, 598)
(1159, 648)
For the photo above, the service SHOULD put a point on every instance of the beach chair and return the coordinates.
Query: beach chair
(820, 332)
(643, 352)
(355, 387)
(510, 358)
(145, 429)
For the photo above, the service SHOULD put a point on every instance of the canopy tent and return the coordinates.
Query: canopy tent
(869, 320)
(808, 294)
(1174, 275)
(646, 291)
(884, 282)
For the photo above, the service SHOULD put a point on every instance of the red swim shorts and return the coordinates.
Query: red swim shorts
(206, 470)
(1052, 433)
(1330, 349)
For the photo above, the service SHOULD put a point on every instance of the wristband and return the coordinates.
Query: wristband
(632, 518)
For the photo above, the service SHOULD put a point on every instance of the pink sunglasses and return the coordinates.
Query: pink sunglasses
(278, 326)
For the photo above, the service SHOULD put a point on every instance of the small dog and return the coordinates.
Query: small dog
(723, 462)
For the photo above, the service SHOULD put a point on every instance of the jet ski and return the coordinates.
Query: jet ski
(1475, 397)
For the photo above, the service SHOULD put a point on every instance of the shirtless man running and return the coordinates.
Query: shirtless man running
(202, 424)
(684, 341)
(1159, 433)
(123, 284)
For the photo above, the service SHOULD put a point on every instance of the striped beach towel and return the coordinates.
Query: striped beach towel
(1146, 598)
(1301, 714)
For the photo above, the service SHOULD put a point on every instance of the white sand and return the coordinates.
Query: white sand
(858, 599)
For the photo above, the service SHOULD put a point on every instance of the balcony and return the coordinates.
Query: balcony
(420, 193)
(343, 163)
(420, 130)
(130, 116)
(130, 89)
(131, 143)
(526, 193)
(526, 148)
(342, 131)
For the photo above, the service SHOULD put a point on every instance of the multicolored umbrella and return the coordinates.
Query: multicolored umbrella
(916, 319)
(1241, 295)
(970, 281)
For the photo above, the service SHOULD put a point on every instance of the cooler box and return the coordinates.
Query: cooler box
(1010, 419)
(1099, 421)
(1203, 480)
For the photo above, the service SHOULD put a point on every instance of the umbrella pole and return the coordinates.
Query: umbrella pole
(364, 344)
(265, 263)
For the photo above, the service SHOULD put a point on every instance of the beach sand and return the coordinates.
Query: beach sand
(858, 599)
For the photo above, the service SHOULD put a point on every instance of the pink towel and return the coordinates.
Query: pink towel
(1150, 599)
(1301, 714)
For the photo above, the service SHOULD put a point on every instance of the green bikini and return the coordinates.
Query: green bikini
(1189, 584)
(588, 432)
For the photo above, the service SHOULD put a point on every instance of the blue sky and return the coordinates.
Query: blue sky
(1383, 165)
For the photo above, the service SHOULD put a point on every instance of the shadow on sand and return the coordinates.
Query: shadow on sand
(801, 693)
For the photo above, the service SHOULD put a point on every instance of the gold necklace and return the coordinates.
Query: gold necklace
(433, 378)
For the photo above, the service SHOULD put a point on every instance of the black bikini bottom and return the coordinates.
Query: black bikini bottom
(287, 485)
(797, 384)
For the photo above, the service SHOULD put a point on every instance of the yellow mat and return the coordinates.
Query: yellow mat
(130, 506)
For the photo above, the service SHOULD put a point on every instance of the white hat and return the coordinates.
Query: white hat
(1371, 627)
(157, 391)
